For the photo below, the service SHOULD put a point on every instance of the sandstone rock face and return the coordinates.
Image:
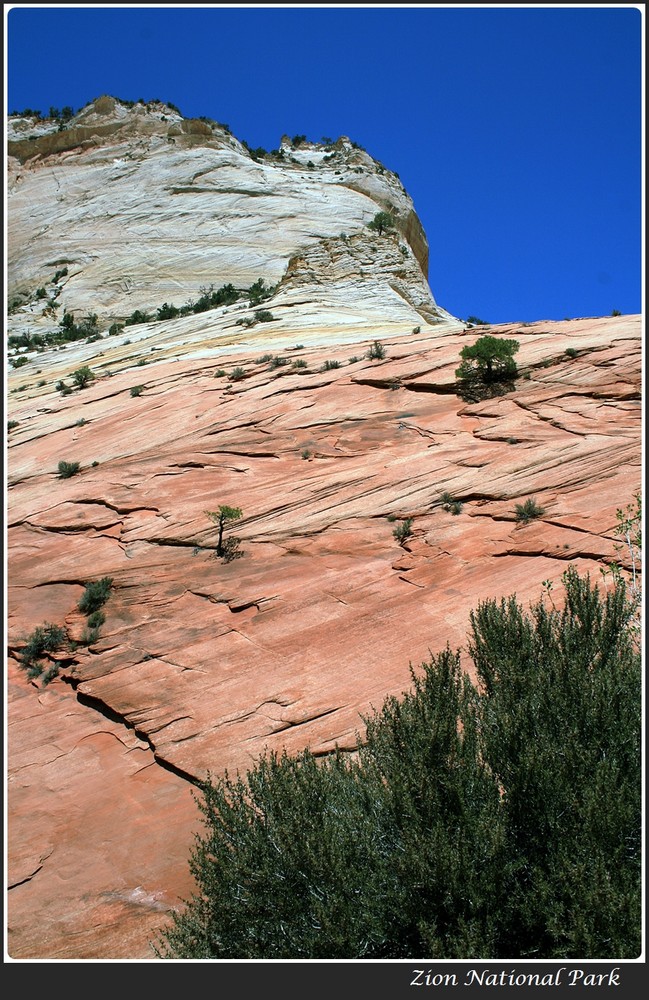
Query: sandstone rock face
(203, 664)
(119, 184)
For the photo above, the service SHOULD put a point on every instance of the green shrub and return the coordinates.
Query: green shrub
(96, 619)
(278, 361)
(68, 469)
(329, 366)
(237, 374)
(95, 595)
(299, 363)
(12, 423)
(19, 362)
(306, 453)
(527, 511)
(265, 358)
(474, 321)
(376, 351)
(82, 377)
(89, 636)
(138, 316)
(220, 373)
(417, 329)
(259, 291)
(450, 504)
(403, 530)
(263, 316)
(353, 360)
(571, 352)
(45, 638)
(136, 390)
(476, 820)
(167, 311)
(616, 312)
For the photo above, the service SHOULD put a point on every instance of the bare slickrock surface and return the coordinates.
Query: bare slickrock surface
(202, 664)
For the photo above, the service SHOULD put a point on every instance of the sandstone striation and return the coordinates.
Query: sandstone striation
(118, 184)
(203, 664)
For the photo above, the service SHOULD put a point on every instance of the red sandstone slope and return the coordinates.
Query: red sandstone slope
(202, 664)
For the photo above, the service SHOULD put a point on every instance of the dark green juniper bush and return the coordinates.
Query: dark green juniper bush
(67, 469)
(46, 638)
(95, 595)
(476, 819)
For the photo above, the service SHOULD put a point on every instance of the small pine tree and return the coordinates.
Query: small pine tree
(381, 223)
(221, 517)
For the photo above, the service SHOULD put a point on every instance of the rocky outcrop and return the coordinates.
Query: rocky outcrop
(202, 664)
(118, 187)
(197, 663)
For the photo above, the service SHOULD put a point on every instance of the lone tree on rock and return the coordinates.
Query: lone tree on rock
(489, 360)
(220, 518)
(381, 222)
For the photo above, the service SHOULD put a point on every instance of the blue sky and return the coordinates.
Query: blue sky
(517, 131)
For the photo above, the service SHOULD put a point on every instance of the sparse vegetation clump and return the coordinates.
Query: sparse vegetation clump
(95, 595)
(528, 511)
(403, 530)
(450, 504)
(82, 377)
(46, 638)
(376, 351)
(263, 316)
(259, 292)
(67, 469)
